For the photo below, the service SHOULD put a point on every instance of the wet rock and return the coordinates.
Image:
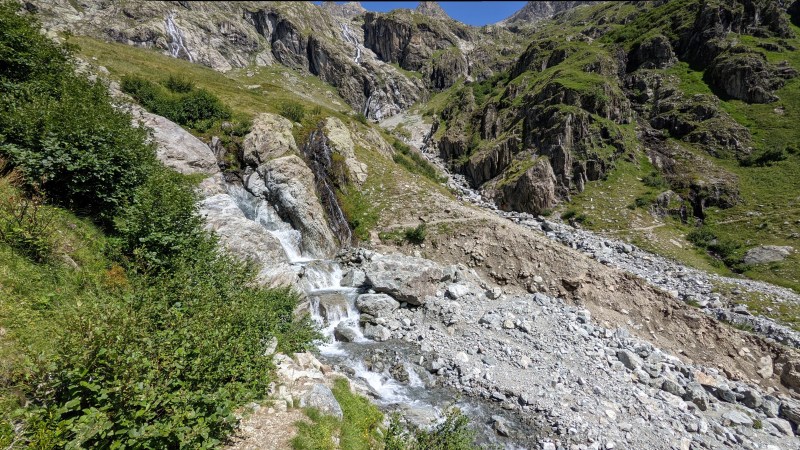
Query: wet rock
(377, 305)
(500, 426)
(289, 185)
(405, 278)
(332, 305)
(343, 333)
(321, 398)
(354, 278)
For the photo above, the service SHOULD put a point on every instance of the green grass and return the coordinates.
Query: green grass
(266, 90)
(359, 429)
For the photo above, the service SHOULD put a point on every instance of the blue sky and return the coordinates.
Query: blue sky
(472, 13)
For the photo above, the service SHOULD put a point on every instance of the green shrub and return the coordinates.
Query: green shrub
(195, 108)
(654, 179)
(414, 162)
(77, 146)
(292, 110)
(362, 118)
(166, 365)
(452, 434)
(417, 234)
(178, 85)
(160, 222)
(569, 214)
(764, 158)
(26, 225)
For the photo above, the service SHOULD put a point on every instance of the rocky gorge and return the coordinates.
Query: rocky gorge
(545, 334)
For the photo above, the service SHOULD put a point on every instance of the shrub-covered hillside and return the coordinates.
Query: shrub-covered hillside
(122, 325)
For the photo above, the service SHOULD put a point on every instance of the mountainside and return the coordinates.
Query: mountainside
(286, 225)
(535, 11)
(669, 92)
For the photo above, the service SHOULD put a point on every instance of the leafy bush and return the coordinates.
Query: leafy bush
(725, 249)
(178, 85)
(654, 179)
(416, 235)
(764, 158)
(26, 225)
(292, 110)
(166, 365)
(452, 434)
(362, 118)
(161, 221)
(195, 108)
(74, 144)
(569, 214)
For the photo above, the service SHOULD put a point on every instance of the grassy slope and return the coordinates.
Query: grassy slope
(385, 195)
(769, 213)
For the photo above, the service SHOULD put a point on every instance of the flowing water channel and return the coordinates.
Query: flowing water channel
(419, 397)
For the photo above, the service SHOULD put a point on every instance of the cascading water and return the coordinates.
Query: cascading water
(350, 38)
(176, 40)
(333, 309)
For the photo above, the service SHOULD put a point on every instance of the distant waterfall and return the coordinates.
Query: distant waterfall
(350, 38)
(176, 39)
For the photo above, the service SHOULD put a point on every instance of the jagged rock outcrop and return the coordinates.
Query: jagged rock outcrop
(654, 52)
(344, 157)
(270, 137)
(288, 184)
(532, 191)
(346, 10)
(432, 9)
(233, 35)
(405, 278)
(747, 76)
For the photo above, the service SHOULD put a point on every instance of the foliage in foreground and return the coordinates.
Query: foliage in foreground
(141, 333)
(362, 428)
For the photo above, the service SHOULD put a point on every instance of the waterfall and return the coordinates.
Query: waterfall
(176, 40)
(350, 38)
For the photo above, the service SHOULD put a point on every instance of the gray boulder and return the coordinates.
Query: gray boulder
(331, 305)
(405, 278)
(343, 333)
(377, 305)
(321, 398)
(176, 147)
(354, 278)
(767, 254)
(288, 184)
(270, 137)
(377, 332)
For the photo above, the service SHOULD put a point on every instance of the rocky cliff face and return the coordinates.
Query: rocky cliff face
(589, 90)
(324, 41)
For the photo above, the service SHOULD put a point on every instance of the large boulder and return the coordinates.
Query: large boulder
(176, 147)
(376, 305)
(767, 254)
(341, 143)
(320, 397)
(532, 191)
(405, 278)
(288, 184)
(270, 137)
